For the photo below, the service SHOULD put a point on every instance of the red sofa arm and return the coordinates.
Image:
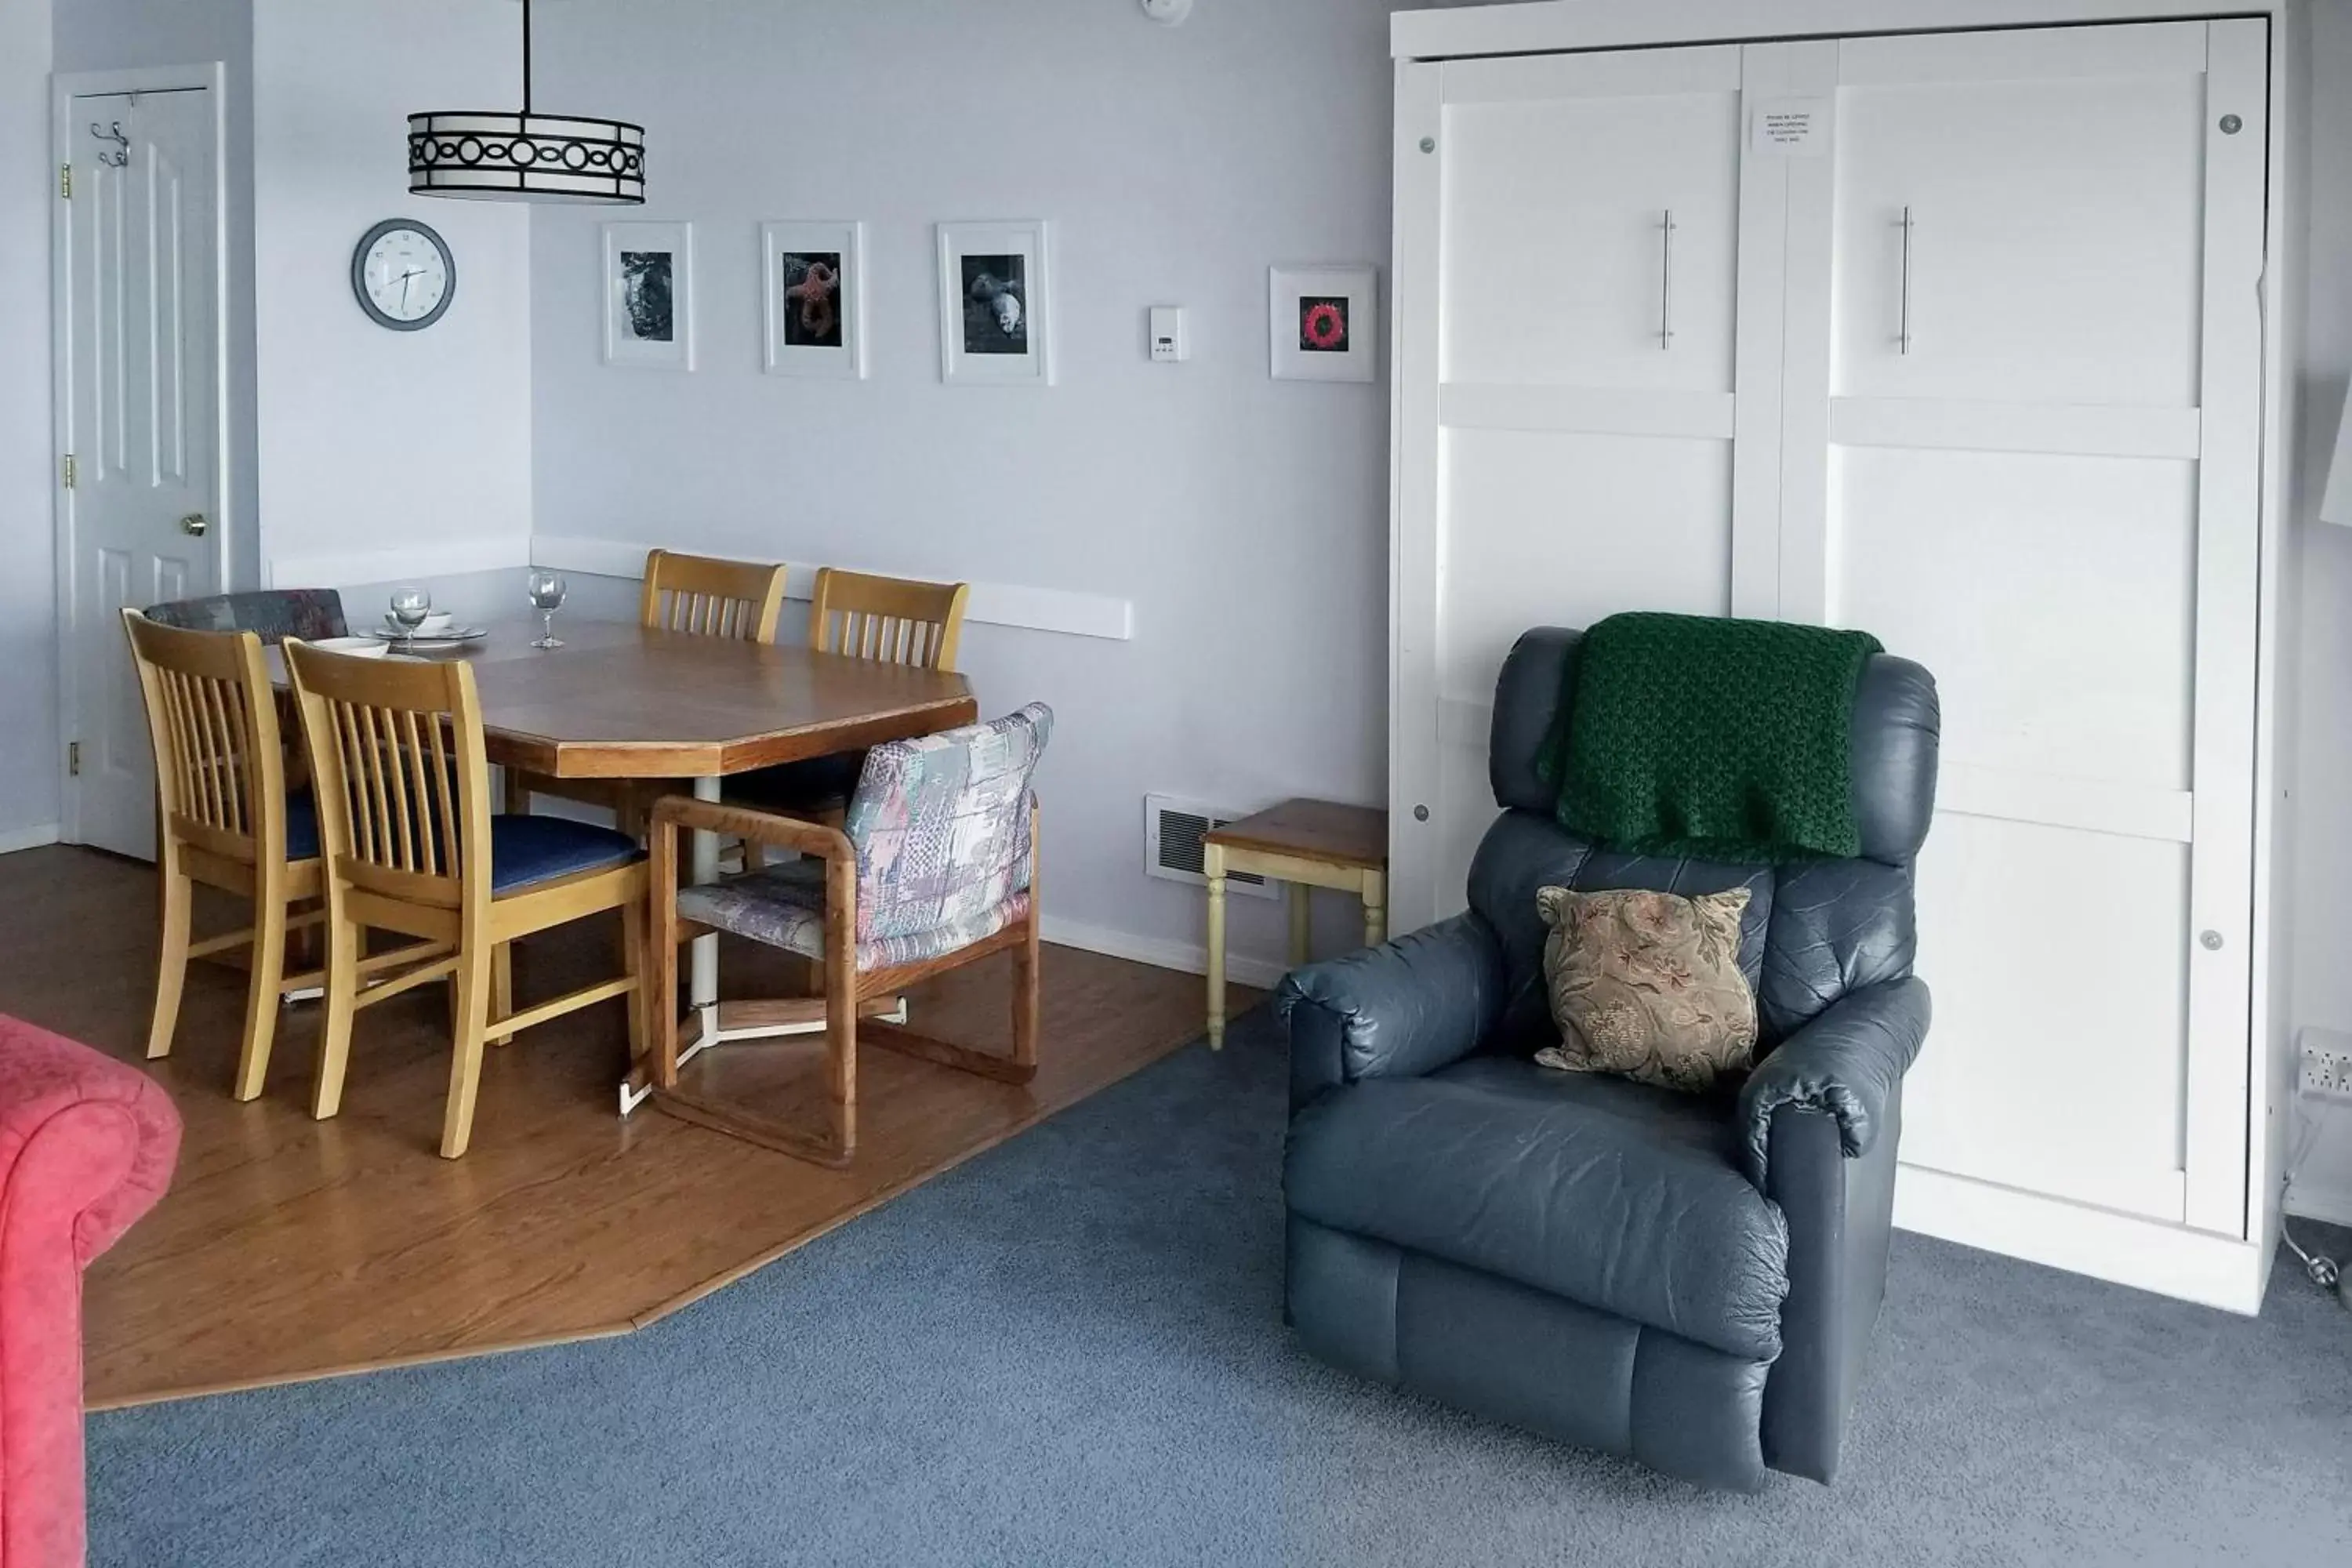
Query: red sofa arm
(87, 1145)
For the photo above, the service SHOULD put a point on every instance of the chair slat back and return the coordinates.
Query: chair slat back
(709, 597)
(220, 774)
(940, 823)
(402, 781)
(895, 619)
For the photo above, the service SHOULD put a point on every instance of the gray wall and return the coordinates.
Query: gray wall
(1244, 519)
(28, 675)
(377, 444)
(2323, 966)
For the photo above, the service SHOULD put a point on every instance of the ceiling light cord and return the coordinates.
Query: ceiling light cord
(526, 56)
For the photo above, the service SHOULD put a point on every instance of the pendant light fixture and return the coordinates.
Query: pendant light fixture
(526, 157)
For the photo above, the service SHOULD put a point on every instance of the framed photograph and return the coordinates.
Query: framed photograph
(813, 303)
(1326, 323)
(649, 295)
(996, 304)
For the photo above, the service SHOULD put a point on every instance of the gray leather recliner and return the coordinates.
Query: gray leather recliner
(1688, 1280)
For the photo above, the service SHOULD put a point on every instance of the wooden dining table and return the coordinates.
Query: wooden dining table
(619, 701)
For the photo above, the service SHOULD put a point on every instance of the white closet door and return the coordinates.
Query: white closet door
(2035, 424)
(1572, 354)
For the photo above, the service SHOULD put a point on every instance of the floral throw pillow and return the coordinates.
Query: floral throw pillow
(1647, 985)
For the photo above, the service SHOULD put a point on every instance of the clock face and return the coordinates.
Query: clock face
(402, 275)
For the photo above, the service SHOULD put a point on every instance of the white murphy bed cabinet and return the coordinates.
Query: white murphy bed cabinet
(1919, 318)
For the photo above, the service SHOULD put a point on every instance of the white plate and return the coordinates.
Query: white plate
(453, 637)
(353, 648)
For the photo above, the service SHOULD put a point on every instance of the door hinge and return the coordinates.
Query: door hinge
(65, 181)
(73, 759)
(71, 472)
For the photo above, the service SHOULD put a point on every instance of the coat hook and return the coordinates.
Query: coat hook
(121, 157)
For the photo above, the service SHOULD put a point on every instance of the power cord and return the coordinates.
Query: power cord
(2321, 1269)
(2324, 1272)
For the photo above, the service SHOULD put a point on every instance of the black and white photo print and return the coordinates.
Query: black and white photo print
(996, 315)
(649, 295)
(995, 305)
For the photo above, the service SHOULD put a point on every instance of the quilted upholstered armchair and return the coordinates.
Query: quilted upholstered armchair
(933, 867)
(1688, 1280)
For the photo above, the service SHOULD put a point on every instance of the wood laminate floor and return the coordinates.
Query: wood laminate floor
(289, 1248)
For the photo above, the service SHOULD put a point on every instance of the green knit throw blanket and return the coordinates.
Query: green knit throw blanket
(1719, 740)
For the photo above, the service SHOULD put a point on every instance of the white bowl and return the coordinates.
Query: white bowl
(352, 647)
(433, 626)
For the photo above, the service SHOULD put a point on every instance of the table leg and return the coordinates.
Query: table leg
(1302, 923)
(702, 981)
(1213, 864)
(1376, 908)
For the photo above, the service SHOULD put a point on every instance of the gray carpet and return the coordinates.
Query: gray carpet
(1070, 1351)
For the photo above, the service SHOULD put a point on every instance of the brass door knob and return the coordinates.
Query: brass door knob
(195, 525)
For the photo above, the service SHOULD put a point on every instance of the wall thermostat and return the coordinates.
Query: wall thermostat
(1167, 345)
(1167, 13)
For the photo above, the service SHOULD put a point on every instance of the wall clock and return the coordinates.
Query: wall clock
(402, 275)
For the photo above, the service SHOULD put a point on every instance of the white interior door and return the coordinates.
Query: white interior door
(2039, 408)
(140, 413)
(1574, 355)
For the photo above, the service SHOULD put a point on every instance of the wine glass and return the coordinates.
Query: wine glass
(409, 607)
(546, 591)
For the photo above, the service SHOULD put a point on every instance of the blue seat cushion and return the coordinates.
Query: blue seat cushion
(301, 826)
(1617, 1196)
(525, 850)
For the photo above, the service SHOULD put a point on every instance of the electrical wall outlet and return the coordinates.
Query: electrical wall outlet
(2326, 1065)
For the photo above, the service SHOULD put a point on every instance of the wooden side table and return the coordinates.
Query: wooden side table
(1309, 843)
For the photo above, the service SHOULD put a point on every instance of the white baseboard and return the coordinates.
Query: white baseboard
(2125, 1249)
(1185, 957)
(17, 839)
(2329, 1205)
(996, 604)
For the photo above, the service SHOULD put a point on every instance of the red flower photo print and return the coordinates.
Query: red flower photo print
(1323, 323)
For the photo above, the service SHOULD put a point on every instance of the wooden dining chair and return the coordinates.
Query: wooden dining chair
(224, 819)
(895, 619)
(934, 868)
(410, 845)
(858, 615)
(710, 597)
(698, 595)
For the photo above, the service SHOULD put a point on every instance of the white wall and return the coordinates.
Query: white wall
(28, 683)
(379, 447)
(1246, 519)
(2322, 934)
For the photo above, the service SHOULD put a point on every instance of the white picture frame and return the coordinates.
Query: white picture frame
(1308, 302)
(813, 298)
(642, 332)
(984, 341)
